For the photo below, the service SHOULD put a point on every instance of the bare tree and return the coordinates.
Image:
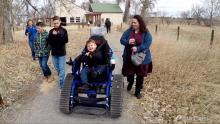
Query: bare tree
(85, 5)
(136, 6)
(5, 26)
(120, 1)
(146, 6)
(186, 17)
(127, 10)
(91, 1)
(197, 12)
(162, 15)
(212, 10)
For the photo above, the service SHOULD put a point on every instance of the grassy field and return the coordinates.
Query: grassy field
(184, 85)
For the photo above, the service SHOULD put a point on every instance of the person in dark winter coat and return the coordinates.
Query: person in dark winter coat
(136, 39)
(30, 32)
(108, 25)
(57, 39)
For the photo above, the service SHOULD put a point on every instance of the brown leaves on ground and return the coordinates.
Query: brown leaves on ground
(17, 69)
(184, 85)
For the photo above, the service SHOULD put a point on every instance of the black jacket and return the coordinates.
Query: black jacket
(57, 42)
(107, 23)
(101, 56)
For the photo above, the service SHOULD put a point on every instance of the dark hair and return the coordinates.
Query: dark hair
(29, 20)
(41, 24)
(56, 18)
(90, 41)
(143, 27)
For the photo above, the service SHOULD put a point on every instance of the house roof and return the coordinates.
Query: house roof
(105, 8)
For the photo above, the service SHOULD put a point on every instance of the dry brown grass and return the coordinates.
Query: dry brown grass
(17, 68)
(184, 85)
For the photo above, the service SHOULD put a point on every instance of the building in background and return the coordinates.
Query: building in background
(69, 12)
(101, 11)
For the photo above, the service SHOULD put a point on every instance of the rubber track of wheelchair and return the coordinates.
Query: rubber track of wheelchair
(65, 94)
(116, 96)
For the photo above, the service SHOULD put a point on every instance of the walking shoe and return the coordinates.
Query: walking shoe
(44, 79)
(50, 78)
(129, 86)
(138, 95)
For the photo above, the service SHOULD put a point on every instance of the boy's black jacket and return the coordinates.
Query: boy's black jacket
(57, 42)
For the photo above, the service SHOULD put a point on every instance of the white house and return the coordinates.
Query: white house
(106, 10)
(69, 12)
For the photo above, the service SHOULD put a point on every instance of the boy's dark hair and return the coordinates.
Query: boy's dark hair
(41, 24)
(29, 20)
(56, 18)
(90, 41)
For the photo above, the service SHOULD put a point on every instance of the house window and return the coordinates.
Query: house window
(77, 19)
(72, 19)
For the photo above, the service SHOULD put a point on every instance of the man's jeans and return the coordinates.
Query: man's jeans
(31, 45)
(59, 65)
(44, 67)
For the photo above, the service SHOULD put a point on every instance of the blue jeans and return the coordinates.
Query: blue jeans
(59, 65)
(31, 45)
(44, 67)
(86, 71)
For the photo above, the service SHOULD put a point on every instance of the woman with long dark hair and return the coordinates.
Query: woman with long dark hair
(136, 39)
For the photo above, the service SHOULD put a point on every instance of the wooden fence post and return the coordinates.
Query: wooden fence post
(1, 100)
(178, 33)
(156, 29)
(212, 38)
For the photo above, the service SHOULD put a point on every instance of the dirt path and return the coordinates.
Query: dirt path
(44, 107)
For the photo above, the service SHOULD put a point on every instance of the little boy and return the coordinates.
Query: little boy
(42, 50)
(94, 62)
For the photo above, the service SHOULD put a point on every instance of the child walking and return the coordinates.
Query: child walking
(42, 50)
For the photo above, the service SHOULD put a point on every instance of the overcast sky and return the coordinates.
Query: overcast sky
(171, 7)
(175, 7)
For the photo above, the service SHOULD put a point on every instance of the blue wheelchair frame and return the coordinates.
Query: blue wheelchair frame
(77, 82)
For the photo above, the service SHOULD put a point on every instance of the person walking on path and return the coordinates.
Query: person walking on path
(136, 39)
(57, 39)
(108, 25)
(42, 50)
(30, 32)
